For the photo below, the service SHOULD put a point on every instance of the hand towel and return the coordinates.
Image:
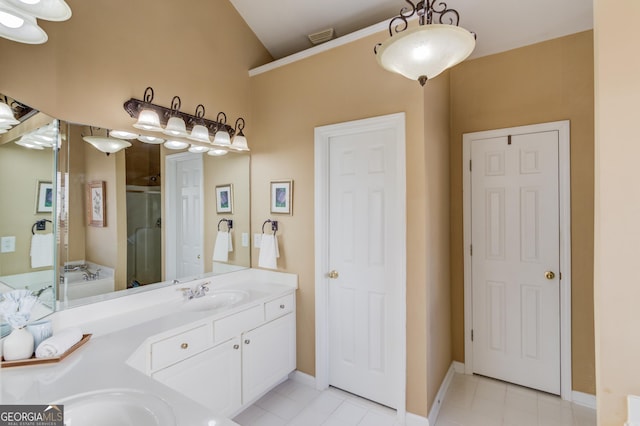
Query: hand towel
(269, 252)
(58, 344)
(230, 241)
(41, 250)
(221, 248)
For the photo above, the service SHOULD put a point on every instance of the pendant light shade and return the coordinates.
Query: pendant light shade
(149, 121)
(239, 142)
(222, 137)
(426, 51)
(19, 26)
(176, 127)
(106, 144)
(423, 52)
(199, 133)
(50, 10)
(7, 119)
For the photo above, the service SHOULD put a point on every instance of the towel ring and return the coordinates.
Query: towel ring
(40, 225)
(229, 224)
(274, 225)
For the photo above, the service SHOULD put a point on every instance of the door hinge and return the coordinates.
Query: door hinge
(509, 140)
(471, 250)
(472, 335)
(560, 275)
(470, 165)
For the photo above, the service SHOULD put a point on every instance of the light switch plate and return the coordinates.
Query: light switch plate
(245, 239)
(7, 244)
(257, 239)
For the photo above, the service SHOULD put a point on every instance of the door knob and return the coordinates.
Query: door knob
(198, 256)
(333, 275)
(549, 275)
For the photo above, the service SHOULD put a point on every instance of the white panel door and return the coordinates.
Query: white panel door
(515, 259)
(363, 298)
(189, 235)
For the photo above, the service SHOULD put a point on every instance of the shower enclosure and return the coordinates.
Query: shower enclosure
(144, 256)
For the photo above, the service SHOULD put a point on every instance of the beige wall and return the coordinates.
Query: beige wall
(544, 82)
(340, 85)
(617, 289)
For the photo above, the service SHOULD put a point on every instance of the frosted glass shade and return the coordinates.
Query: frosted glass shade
(19, 26)
(217, 152)
(198, 149)
(176, 145)
(199, 133)
(239, 143)
(7, 118)
(150, 139)
(176, 127)
(50, 10)
(121, 134)
(423, 52)
(222, 138)
(148, 120)
(107, 145)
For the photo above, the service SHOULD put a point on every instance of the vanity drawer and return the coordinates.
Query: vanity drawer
(278, 307)
(234, 325)
(181, 346)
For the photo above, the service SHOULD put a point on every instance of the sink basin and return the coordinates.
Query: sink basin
(216, 300)
(123, 407)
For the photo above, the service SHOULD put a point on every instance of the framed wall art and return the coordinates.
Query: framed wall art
(96, 204)
(282, 197)
(44, 196)
(224, 198)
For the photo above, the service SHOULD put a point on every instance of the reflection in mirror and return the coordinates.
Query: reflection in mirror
(28, 157)
(118, 223)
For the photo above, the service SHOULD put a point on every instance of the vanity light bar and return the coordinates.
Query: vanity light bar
(135, 106)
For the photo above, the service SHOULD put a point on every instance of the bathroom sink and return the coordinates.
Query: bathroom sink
(123, 407)
(216, 300)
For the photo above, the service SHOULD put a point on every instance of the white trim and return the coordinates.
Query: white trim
(332, 44)
(437, 403)
(171, 199)
(321, 233)
(302, 378)
(415, 420)
(584, 399)
(564, 182)
(458, 367)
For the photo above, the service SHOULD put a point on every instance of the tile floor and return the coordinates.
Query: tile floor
(470, 401)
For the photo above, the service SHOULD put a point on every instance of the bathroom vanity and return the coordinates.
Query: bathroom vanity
(206, 358)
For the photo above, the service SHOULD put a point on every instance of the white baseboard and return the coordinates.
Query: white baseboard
(437, 403)
(415, 420)
(303, 378)
(458, 367)
(584, 399)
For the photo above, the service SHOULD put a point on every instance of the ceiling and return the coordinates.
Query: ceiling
(283, 25)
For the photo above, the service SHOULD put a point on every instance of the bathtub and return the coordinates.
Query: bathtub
(77, 287)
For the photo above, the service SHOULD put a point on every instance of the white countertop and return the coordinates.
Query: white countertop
(102, 362)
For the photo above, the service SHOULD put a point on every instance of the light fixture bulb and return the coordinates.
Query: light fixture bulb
(172, 144)
(10, 20)
(150, 139)
(148, 120)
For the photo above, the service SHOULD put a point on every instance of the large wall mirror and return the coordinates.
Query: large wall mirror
(125, 222)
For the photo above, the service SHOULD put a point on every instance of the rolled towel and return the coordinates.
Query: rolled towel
(58, 344)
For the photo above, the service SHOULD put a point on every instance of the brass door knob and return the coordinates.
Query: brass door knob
(184, 345)
(549, 275)
(333, 275)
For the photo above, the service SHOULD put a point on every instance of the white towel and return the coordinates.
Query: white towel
(58, 344)
(230, 241)
(269, 252)
(221, 248)
(41, 250)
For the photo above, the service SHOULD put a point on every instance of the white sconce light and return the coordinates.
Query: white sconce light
(172, 144)
(18, 18)
(176, 126)
(222, 137)
(199, 133)
(7, 119)
(239, 142)
(198, 149)
(217, 152)
(148, 119)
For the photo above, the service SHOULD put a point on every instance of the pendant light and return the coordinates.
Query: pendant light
(148, 119)
(199, 133)
(423, 52)
(106, 144)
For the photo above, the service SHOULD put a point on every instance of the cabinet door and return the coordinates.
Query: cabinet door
(211, 378)
(268, 355)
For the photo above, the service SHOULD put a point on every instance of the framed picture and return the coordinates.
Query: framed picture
(44, 196)
(224, 198)
(282, 197)
(96, 208)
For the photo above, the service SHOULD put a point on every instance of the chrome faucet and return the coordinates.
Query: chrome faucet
(193, 293)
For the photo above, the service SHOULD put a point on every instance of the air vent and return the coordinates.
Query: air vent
(321, 37)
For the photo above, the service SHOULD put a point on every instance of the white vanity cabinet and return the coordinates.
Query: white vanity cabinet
(241, 356)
